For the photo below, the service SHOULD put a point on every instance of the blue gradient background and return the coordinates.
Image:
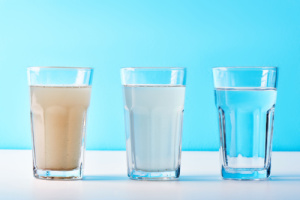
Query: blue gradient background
(108, 35)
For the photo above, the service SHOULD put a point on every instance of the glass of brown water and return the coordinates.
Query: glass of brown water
(60, 97)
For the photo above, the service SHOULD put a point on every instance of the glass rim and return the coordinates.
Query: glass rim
(60, 67)
(166, 68)
(246, 67)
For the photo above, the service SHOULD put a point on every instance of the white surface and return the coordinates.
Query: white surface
(105, 178)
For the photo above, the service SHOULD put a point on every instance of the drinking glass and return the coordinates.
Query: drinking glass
(245, 98)
(154, 104)
(60, 97)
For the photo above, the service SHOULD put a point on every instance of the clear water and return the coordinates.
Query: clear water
(153, 118)
(246, 123)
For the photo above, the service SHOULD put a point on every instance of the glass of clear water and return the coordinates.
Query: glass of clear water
(60, 97)
(154, 105)
(245, 98)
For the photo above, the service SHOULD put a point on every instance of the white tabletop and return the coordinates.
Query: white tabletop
(105, 178)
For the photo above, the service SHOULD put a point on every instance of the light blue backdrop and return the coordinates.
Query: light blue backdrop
(108, 35)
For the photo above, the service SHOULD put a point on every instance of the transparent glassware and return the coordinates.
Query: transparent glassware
(245, 98)
(154, 105)
(60, 97)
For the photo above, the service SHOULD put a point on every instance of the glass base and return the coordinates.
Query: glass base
(154, 176)
(75, 174)
(245, 173)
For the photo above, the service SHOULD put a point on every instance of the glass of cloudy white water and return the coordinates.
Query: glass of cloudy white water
(154, 105)
(60, 97)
